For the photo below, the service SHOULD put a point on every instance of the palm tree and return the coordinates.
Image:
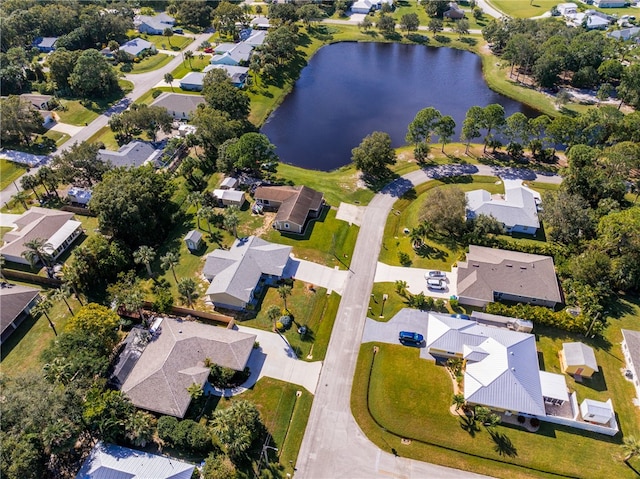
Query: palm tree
(49, 179)
(29, 182)
(36, 251)
(168, 78)
(195, 198)
(631, 447)
(187, 289)
(140, 427)
(189, 55)
(169, 261)
(195, 391)
(133, 300)
(43, 307)
(61, 294)
(57, 371)
(458, 401)
(207, 213)
(231, 220)
(145, 255)
(401, 287)
(273, 313)
(168, 32)
(22, 197)
(284, 291)
(71, 278)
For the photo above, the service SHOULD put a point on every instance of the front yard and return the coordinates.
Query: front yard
(150, 63)
(406, 397)
(9, 172)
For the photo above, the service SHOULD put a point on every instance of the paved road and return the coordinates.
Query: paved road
(143, 82)
(333, 444)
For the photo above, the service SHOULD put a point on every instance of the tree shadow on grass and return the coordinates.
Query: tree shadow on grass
(469, 424)
(430, 252)
(503, 445)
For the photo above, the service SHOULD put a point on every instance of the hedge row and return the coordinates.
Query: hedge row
(541, 315)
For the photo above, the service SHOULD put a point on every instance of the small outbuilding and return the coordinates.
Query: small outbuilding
(229, 183)
(578, 359)
(597, 411)
(230, 197)
(193, 240)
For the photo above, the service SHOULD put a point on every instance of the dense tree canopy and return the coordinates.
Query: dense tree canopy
(134, 205)
(250, 152)
(222, 95)
(93, 76)
(149, 119)
(444, 210)
(79, 164)
(20, 120)
(374, 154)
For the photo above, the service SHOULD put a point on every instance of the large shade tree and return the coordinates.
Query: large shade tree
(374, 154)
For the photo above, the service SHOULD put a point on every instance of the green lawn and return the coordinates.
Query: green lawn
(57, 136)
(9, 172)
(327, 240)
(523, 8)
(197, 64)
(410, 398)
(175, 42)
(75, 113)
(21, 352)
(106, 136)
(436, 254)
(151, 63)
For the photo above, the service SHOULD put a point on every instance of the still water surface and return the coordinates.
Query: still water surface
(349, 90)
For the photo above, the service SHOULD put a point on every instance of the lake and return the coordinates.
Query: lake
(349, 90)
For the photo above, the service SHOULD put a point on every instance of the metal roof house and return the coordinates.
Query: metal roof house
(578, 359)
(133, 154)
(232, 54)
(108, 461)
(236, 273)
(57, 228)
(517, 210)
(174, 360)
(490, 275)
(137, 47)
(15, 303)
(154, 25)
(179, 106)
(296, 205)
(631, 350)
(45, 44)
(229, 197)
(192, 81)
(237, 74)
(80, 196)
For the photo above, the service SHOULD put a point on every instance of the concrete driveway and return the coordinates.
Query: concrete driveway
(331, 278)
(352, 214)
(274, 359)
(70, 130)
(415, 278)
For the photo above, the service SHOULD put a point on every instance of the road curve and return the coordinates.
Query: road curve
(334, 445)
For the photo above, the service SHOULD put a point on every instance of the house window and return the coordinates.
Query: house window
(286, 226)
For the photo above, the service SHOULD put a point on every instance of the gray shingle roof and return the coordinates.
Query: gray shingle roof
(236, 272)
(489, 270)
(13, 300)
(579, 354)
(174, 360)
(632, 338)
(108, 461)
(178, 102)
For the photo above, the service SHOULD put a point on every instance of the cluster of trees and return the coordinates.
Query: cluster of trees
(87, 74)
(552, 54)
(20, 120)
(139, 118)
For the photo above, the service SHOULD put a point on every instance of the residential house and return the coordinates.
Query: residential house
(256, 38)
(578, 359)
(192, 81)
(79, 196)
(260, 23)
(154, 25)
(193, 240)
(57, 228)
(591, 20)
(117, 462)
(138, 47)
(567, 8)
(179, 106)
(296, 205)
(133, 154)
(625, 33)
(157, 379)
(229, 183)
(517, 209)
(454, 12)
(39, 102)
(237, 273)
(501, 370)
(232, 54)
(45, 44)
(490, 274)
(15, 303)
(237, 74)
(229, 197)
(365, 6)
(631, 350)
(597, 411)
(610, 3)
(108, 54)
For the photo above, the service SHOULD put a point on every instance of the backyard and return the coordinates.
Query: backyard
(396, 399)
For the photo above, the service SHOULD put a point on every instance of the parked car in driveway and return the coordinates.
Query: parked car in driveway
(436, 284)
(409, 337)
(435, 274)
(461, 316)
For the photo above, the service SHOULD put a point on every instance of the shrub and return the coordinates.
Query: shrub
(541, 315)
(286, 321)
(404, 258)
(156, 93)
(454, 303)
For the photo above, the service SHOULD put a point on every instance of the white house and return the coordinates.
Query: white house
(567, 8)
(154, 25)
(631, 350)
(229, 197)
(609, 3)
(79, 196)
(365, 6)
(57, 228)
(137, 47)
(192, 81)
(232, 54)
(517, 209)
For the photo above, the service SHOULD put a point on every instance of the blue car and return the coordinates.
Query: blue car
(408, 337)
(461, 316)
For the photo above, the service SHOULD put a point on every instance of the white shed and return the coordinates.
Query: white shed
(596, 411)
